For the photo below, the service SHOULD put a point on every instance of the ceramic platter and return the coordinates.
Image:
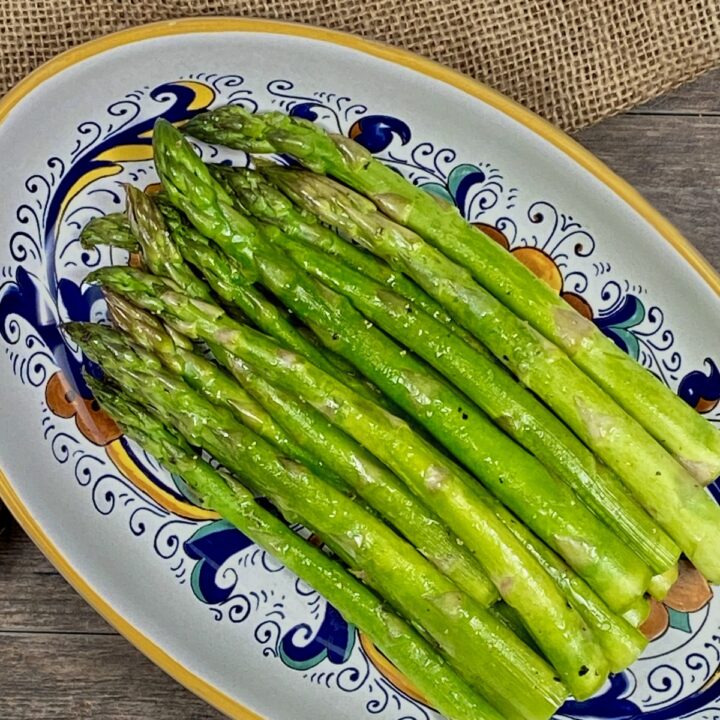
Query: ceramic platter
(191, 592)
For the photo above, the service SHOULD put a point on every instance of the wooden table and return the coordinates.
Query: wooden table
(59, 660)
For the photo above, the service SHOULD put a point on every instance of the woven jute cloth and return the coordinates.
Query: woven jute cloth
(572, 61)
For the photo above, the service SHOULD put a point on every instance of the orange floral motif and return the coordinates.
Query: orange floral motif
(690, 593)
(92, 422)
(540, 263)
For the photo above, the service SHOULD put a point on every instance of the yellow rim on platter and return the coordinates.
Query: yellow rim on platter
(542, 128)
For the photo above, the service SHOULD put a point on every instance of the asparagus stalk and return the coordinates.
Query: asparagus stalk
(159, 252)
(339, 362)
(371, 480)
(228, 280)
(545, 503)
(638, 613)
(523, 584)
(485, 382)
(306, 436)
(259, 198)
(211, 381)
(673, 423)
(114, 226)
(462, 629)
(514, 475)
(620, 641)
(405, 648)
(662, 486)
(112, 229)
(660, 584)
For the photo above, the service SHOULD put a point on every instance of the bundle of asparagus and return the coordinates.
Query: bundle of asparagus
(497, 548)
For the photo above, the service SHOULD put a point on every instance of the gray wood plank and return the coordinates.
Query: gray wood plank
(674, 162)
(34, 596)
(87, 677)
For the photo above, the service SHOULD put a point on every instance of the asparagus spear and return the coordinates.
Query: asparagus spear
(523, 584)
(663, 486)
(305, 435)
(660, 584)
(673, 423)
(158, 250)
(208, 379)
(261, 199)
(228, 280)
(462, 629)
(638, 613)
(147, 230)
(478, 374)
(501, 397)
(371, 480)
(545, 503)
(410, 653)
(621, 643)
(339, 362)
(112, 229)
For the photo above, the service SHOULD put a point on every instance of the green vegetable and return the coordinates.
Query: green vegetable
(551, 509)
(660, 584)
(227, 279)
(261, 199)
(664, 488)
(673, 423)
(113, 229)
(511, 407)
(305, 435)
(405, 648)
(620, 641)
(638, 613)
(523, 584)
(158, 250)
(511, 676)
(208, 379)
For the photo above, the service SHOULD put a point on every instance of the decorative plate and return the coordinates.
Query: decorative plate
(190, 591)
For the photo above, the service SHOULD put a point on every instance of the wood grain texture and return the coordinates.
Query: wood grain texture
(674, 161)
(88, 677)
(60, 660)
(35, 597)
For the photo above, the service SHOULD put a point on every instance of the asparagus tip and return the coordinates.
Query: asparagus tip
(77, 331)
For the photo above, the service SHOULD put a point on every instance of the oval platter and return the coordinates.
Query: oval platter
(192, 593)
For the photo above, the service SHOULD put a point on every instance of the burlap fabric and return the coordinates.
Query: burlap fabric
(573, 61)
